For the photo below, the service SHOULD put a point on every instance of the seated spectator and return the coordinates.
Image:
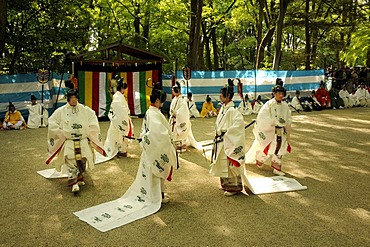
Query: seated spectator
(363, 96)
(296, 101)
(208, 110)
(245, 106)
(345, 96)
(192, 107)
(314, 103)
(257, 105)
(336, 101)
(354, 98)
(299, 103)
(322, 95)
(36, 114)
(13, 119)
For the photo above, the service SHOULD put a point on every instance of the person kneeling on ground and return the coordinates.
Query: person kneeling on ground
(13, 119)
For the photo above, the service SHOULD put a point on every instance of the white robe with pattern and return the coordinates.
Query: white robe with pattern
(120, 126)
(180, 125)
(272, 114)
(68, 123)
(143, 197)
(230, 122)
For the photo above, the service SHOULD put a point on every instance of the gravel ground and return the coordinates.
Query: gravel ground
(329, 156)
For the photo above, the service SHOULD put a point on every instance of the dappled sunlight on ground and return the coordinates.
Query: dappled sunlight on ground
(158, 221)
(329, 156)
(361, 213)
(354, 169)
(223, 230)
(299, 198)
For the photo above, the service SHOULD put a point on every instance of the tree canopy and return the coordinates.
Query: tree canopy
(204, 34)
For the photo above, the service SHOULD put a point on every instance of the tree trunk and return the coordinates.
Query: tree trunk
(308, 37)
(279, 33)
(3, 18)
(194, 36)
(207, 47)
(146, 28)
(262, 45)
(137, 26)
(315, 35)
(215, 48)
(200, 59)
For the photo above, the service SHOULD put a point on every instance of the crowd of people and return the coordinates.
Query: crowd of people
(74, 134)
(73, 130)
(73, 124)
(351, 78)
(323, 98)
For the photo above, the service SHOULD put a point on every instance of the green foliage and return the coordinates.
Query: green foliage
(40, 33)
(357, 51)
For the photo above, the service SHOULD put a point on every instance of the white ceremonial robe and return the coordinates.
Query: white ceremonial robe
(120, 126)
(355, 99)
(245, 108)
(271, 115)
(230, 122)
(143, 197)
(34, 117)
(257, 107)
(193, 111)
(180, 125)
(345, 96)
(296, 103)
(363, 97)
(68, 123)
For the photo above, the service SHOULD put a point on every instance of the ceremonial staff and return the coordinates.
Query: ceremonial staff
(240, 90)
(42, 77)
(187, 76)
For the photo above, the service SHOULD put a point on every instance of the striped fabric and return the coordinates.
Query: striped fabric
(18, 89)
(93, 88)
(255, 83)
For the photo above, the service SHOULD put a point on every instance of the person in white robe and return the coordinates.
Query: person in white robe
(296, 101)
(363, 96)
(73, 133)
(245, 106)
(157, 163)
(257, 105)
(353, 96)
(345, 96)
(121, 127)
(272, 132)
(179, 121)
(38, 116)
(227, 161)
(193, 111)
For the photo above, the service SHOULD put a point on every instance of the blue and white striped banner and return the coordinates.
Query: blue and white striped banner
(18, 89)
(255, 83)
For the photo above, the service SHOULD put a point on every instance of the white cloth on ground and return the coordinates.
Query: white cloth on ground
(143, 197)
